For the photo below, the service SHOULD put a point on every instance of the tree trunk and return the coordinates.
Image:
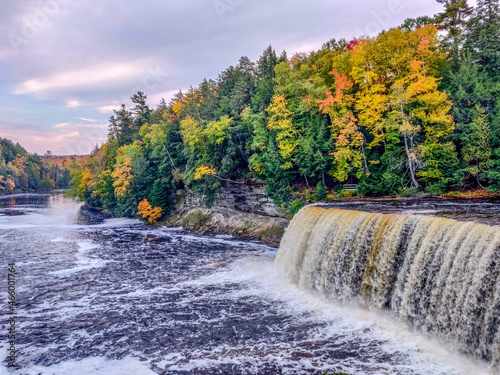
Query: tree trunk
(367, 171)
(414, 182)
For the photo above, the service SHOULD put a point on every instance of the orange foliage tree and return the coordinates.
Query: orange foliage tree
(152, 214)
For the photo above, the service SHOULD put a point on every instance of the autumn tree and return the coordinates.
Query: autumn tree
(146, 211)
(349, 141)
(280, 122)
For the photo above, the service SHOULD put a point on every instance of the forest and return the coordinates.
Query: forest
(21, 172)
(412, 110)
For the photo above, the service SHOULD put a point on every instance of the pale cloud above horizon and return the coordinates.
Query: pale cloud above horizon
(73, 62)
(72, 103)
(70, 138)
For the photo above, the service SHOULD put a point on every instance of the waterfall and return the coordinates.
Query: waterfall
(440, 276)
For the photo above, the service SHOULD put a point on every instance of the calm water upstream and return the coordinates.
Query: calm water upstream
(98, 296)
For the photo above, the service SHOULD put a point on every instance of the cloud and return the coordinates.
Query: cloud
(108, 109)
(167, 95)
(84, 78)
(5, 53)
(72, 103)
(61, 139)
(88, 119)
(62, 125)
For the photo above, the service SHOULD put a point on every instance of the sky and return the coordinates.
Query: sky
(66, 64)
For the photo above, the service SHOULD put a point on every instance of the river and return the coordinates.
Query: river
(113, 296)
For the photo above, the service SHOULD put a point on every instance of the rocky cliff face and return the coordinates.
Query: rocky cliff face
(245, 198)
(245, 211)
(265, 229)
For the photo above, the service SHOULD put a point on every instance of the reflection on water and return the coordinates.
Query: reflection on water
(112, 296)
(44, 209)
(25, 200)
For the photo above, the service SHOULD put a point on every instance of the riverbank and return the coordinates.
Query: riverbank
(4, 194)
(226, 218)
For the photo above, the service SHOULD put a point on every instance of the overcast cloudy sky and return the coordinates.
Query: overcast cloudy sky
(65, 64)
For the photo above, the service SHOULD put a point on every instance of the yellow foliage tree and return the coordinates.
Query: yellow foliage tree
(86, 181)
(216, 131)
(10, 185)
(122, 172)
(198, 137)
(203, 171)
(146, 211)
(417, 103)
(280, 120)
(191, 132)
(177, 108)
(348, 155)
(123, 177)
(349, 141)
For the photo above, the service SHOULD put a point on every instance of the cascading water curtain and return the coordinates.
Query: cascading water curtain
(441, 276)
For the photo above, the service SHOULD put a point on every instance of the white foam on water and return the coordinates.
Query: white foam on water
(194, 364)
(142, 293)
(83, 262)
(37, 223)
(28, 220)
(88, 366)
(61, 310)
(168, 229)
(61, 239)
(420, 212)
(224, 236)
(284, 360)
(226, 241)
(116, 222)
(259, 276)
(59, 213)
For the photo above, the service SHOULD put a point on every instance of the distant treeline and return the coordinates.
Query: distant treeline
(414, 109)
(23, 172)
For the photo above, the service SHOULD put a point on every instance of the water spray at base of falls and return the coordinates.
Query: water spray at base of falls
(440, 276)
